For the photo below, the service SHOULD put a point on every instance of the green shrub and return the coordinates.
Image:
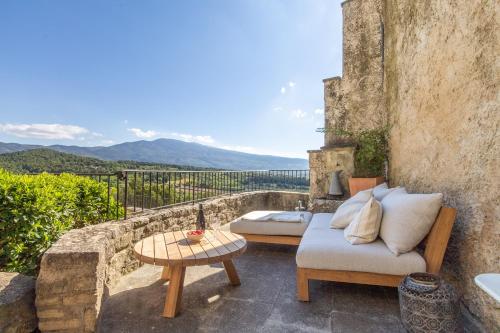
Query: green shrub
(36, 210)
(370, 150)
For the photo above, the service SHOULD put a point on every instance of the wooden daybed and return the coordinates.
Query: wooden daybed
(435, 247)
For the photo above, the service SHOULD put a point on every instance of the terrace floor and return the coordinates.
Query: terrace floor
(265, 301)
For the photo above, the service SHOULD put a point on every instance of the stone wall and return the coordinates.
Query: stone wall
(442, 89)
(322, 163)
(17, 303)
(78, 269)
(355, 101)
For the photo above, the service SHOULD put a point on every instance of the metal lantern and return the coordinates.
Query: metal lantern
(429, 305)
(335, 185)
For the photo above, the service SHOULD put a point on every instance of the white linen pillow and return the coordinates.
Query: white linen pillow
(366, 224)
(382, 190)
(346, 212)
(407, 219)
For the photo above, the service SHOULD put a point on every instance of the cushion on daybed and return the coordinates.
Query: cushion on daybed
(408, 218)
(365, 226)
(382, 190)
(346, 212)
(325, 248)
(258, 222)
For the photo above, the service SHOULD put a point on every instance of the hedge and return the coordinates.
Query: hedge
(35, 210)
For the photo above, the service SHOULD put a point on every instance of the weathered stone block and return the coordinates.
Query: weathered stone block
(17, 308)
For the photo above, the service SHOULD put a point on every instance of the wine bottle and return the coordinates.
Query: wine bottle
(200, 221)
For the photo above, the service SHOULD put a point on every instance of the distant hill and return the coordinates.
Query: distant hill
(174, 152)
(48, 160)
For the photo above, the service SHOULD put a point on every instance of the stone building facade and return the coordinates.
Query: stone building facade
(442, 96)
(354, 101)
(429, 71)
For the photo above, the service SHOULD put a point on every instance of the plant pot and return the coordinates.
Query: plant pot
(360, 184)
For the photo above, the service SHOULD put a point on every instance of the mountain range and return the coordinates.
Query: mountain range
(170, 151)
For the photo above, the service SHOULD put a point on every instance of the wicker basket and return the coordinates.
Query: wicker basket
(426, 309)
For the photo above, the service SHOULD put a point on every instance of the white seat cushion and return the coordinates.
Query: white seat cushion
(250, 224)
(325, 248)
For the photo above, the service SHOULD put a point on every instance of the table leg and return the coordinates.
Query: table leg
(231, 272)
(174, 292)
(165, 274)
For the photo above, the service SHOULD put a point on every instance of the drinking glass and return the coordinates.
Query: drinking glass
(215, 224)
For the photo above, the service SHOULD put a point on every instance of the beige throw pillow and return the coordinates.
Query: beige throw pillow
(366, 224)
(382, 190)
(346, 212)
(407, 219)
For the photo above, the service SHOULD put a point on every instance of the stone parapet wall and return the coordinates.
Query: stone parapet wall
(78, 269)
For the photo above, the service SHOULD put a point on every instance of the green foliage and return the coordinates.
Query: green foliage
(371, 151)
(36, 210)
(48, 160)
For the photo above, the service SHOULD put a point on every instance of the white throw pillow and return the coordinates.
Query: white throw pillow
(346, 212)
(407, 219)
(366, 224)
(382, 190)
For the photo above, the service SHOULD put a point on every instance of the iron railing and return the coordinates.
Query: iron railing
(139, 190)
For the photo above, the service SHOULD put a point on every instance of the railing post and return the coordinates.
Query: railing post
(125, 195)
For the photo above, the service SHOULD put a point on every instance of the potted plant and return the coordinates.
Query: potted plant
(370, 156)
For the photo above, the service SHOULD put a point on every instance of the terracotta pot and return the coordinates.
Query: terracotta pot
(360, 184)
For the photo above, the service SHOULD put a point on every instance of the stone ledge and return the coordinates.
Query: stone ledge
(17, 308)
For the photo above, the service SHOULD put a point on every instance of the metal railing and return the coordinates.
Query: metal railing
(139, 190)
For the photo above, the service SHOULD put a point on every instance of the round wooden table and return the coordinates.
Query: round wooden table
(175, 252)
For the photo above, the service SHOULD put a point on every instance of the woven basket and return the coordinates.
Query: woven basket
(424, 310)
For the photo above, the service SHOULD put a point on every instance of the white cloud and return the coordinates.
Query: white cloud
(283, 90)
(298, 114)
(202, 139)
(143, 134)
(291, 84)
(107, 142)
(319, 111)
(44, 131)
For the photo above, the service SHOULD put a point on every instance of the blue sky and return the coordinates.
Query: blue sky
(238, 74)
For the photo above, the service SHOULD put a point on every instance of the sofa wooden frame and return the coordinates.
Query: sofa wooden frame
(435, 247)
(272, 239)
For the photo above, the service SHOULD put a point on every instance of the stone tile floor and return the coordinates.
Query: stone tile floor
(265, 301)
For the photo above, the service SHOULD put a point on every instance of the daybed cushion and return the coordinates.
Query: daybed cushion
(382, 190)
(250, 224)
(325, 248)
(348, 210)
(366, 224)
(408, 218)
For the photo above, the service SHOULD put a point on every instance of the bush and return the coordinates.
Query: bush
(36, 210)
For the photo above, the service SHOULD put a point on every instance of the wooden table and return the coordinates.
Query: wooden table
(175, 252)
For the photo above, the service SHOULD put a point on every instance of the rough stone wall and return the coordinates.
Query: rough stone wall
(442, 94)
(17, 303)
(77, 270)
(325, 161)
(355, 101)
